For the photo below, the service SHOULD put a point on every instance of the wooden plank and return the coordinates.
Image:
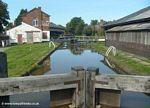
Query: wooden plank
(109, 98)
(18, 85)
(124, 82)
(90, 87)
(61, 97)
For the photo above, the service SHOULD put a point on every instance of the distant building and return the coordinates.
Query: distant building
(35, 27)
(131, 33)
(56, 30)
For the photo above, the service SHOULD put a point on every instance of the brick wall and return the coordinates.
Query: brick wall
(43, 18)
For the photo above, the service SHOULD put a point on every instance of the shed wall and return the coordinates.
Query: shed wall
(134, 42)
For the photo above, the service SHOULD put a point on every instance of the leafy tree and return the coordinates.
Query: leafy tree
(75, 26)
(93, 24)
(4, 15)
(18, 20)
(88, 30)
(79, 29)
(101, 31)
(9, 26)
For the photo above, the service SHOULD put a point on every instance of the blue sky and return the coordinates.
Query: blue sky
(62, 11)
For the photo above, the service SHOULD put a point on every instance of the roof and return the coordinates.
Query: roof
(25, 27)
(131, 27)
(35, 9)
(141, 15)
(55, 26)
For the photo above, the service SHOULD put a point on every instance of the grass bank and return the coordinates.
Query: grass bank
(129, 63)
(22, 58)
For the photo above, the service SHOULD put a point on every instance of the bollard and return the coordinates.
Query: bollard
(3, 74)
(79, 95)
(90, 86)
(3, 65)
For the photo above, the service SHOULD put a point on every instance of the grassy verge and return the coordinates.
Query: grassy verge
(124, 60)
(22, 58)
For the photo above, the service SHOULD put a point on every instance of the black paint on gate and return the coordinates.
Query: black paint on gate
(4, 100)
(3, 65)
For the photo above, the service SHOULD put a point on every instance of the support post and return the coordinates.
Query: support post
(3, 65)
(79, 95)
(3, 74)
(90, 86)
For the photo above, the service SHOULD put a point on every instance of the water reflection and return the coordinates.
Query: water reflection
(42, 68)
(69, 56)
(134, 100)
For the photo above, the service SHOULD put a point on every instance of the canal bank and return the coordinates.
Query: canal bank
(26, 57)
(40, 67)
(125, 62)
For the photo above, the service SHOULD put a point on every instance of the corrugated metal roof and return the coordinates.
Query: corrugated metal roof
(135, 27)
(141, 14)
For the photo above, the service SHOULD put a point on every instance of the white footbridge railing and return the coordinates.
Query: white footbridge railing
(51, 43)
(113, 49)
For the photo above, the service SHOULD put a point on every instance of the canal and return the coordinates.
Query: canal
(61, 61)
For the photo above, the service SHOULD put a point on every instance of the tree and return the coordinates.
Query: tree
(18, 20)
(75, 26)
(101, 31)
(9, 26)
(4, 15)
(79, 28)
(88, 30)
(93, 24)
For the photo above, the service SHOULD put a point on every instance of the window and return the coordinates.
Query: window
(35, 22)
(44, 35)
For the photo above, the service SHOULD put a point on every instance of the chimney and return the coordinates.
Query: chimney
(39, 8)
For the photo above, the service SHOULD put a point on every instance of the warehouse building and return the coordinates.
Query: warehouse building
(131, 33)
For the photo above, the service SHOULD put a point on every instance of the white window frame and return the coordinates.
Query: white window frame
(35, 21)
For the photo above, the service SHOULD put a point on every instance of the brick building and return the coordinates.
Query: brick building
(35, 27)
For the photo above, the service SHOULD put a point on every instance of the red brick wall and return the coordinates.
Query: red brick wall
(43, 19)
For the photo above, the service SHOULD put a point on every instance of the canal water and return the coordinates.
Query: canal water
(61, 61)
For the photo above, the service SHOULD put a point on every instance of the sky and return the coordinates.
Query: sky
(62, 11)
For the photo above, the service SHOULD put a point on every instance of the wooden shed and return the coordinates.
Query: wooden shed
(131, 33)
(56, 30)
